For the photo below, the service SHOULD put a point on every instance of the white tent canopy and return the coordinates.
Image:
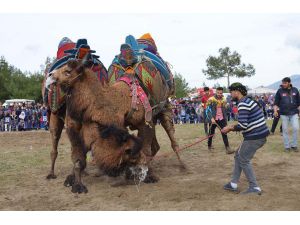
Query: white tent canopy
(261, 90)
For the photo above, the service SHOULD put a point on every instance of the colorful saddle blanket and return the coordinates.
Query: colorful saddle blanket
(145, 72)
(146, 47)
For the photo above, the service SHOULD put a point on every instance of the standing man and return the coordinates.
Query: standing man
(288, 101)
(255, 131)
(217, 106)
(204, 100)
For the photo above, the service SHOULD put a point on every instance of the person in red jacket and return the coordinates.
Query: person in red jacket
(204, 100)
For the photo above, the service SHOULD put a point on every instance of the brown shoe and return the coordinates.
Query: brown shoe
(229, 150)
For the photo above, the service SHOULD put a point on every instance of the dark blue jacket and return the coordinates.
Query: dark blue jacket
(288, 100)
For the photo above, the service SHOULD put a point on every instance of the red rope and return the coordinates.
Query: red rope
(181, 149)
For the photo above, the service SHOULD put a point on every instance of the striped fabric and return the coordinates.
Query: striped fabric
(251, 120)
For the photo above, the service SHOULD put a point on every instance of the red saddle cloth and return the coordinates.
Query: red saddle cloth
(137, 92)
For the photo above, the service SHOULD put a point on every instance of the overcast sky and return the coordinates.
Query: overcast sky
(271, 42)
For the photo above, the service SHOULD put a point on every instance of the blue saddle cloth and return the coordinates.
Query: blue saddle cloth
(140, 51)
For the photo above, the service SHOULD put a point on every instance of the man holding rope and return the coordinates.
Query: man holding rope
(255, 131)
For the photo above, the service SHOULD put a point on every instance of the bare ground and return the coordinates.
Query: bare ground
(25, 162)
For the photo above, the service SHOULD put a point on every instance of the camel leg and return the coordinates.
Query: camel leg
(167, 123)
(78, 157)
(147, 134)
(56, 127)
(154, 145)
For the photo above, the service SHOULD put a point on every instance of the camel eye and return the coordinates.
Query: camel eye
(67, 73)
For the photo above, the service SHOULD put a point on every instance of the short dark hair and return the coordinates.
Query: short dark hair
(286, 79)
(220, 89)
(238, 87)
(206, 88)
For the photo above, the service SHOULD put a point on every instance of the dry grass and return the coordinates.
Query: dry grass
(25, 161)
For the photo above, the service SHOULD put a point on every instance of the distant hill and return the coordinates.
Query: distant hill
(295, 81)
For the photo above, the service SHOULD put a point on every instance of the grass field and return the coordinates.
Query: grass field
(25, 162)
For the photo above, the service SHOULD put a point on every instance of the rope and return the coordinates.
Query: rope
(181, 149)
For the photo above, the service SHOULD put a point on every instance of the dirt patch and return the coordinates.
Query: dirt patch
(25, 162)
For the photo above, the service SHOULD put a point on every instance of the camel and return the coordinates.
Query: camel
(101, 110)
(105, 112)
(57, 114)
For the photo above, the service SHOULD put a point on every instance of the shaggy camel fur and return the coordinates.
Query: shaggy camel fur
(101, 110)
(56, 124)
(108, 108)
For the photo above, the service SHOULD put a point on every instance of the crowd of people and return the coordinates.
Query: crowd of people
(192, 111)
(28, 116)
(23, 117)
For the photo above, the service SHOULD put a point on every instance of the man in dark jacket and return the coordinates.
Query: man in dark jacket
(217, 106)
(287, 99)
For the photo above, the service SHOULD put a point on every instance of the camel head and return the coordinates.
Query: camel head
(124, 151)
(68, 74)
(114, 149)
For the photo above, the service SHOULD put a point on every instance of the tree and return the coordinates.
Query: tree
(181, 86)
(228, 65)
(16, 84)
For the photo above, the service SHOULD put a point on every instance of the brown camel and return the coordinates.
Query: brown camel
(105, 107)
(56, 98)
(157, 89)
(102, 111)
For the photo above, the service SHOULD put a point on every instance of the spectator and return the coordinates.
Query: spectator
(204, 100)
(217, 104)
(287, 99)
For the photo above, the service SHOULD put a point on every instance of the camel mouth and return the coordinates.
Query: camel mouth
(138, 172)
(50, 80)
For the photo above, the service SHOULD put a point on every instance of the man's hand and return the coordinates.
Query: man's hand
(276, 114)
(227, 129)
(213, 121)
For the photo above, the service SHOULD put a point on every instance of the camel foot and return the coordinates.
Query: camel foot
(79, 188)
(182, 167)
(70, 180)
(51, 176)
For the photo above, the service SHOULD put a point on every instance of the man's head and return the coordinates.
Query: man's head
(237, 91)
(219, 92)
(206, 90)
(286, 82)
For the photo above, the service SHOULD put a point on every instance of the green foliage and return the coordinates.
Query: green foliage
(228, 65)
(182, 87)
(16, 84)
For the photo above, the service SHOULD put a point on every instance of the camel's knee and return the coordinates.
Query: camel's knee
(80, 164)
(55, 133)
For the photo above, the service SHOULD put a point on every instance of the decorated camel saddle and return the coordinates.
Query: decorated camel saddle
(54, 96)
(149, 79)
